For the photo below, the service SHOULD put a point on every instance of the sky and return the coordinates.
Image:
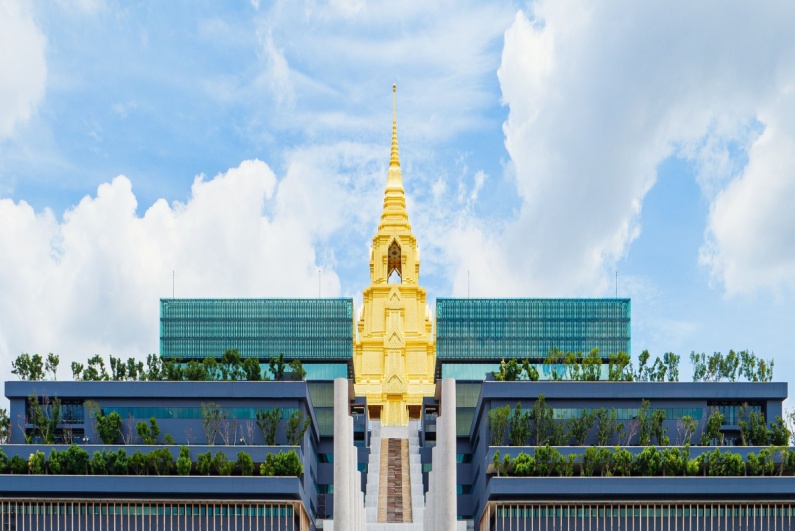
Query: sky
(549, 149)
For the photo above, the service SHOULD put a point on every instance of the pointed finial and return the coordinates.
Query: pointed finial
(394, 160)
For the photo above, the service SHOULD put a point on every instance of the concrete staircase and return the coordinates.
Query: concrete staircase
(394, 479)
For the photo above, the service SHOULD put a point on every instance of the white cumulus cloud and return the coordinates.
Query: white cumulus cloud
(23, 68)
(90, 282)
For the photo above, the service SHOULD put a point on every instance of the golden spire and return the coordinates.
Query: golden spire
(394, 160)
(394, 176)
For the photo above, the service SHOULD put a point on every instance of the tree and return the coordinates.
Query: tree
(296, 426)
(195, 372)
(3, 462)
(543, 427)
(98, 464)
(753, 427)
(685, 428)
(27, 367)
(212, 417)
(712, 430)
(580, 425)
(619, 368)
(51, 365)
(135, 370)
(674, 461)
(5, 427)
(205, 463)
(297, 371)
(671, 362)
(18, 465)
(643, 370)
(212, 368)
(658, 428)
(553, 364)
(622, 461)
(95, 370)
(495, 460)
(644, 423)
(268, 421)
(118, 369)
(608, 426)
(161, 461)
(148, 433)
(44, 414)
(109, 427)
(117, 462)
(282, 464)
(231, 369)
(524, 465)
(497, 423)
(531, 373)
(183, 461)
(77, 370)
(245, 464)
(649, 462)
(519, 427)
(74, 460)
(222, 465)
(779, 432)
(592, 366)
(139, 463)
(252, 370)
(37, 463)
(154, 368)
(276, 366)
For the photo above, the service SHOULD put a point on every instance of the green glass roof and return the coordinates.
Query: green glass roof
(307, 329)
(496, 329)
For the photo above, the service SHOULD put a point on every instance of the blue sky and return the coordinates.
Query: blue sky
(544, 146)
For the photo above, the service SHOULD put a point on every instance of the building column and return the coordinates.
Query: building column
(447, 501)
(343, 494)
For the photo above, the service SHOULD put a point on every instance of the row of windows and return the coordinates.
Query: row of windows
(181, 413)
(257, 308)
(143, 509)
(624, 413)
(530, 348)
(531, 308)
(522, 329)
(734, 413)
(262, 348)
(292, 328)
(645, 511)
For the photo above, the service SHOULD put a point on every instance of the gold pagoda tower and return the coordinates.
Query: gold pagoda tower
(395, 354)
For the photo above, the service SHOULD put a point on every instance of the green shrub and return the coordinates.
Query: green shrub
(37, 462)
(3, 462)
(109, 427)
(98, 464)
(139, 463)
(524, 465)
(205, 463)
(282, 464)
(169, 439)
(649, 462)
(18, 465)
(73, 461)
(222, 465)
(161, 461)
(622, 461)
(296, 426)
(245, 463)
(117, 462)
(183, 461)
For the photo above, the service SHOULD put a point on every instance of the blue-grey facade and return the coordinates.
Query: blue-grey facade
(611, 503)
